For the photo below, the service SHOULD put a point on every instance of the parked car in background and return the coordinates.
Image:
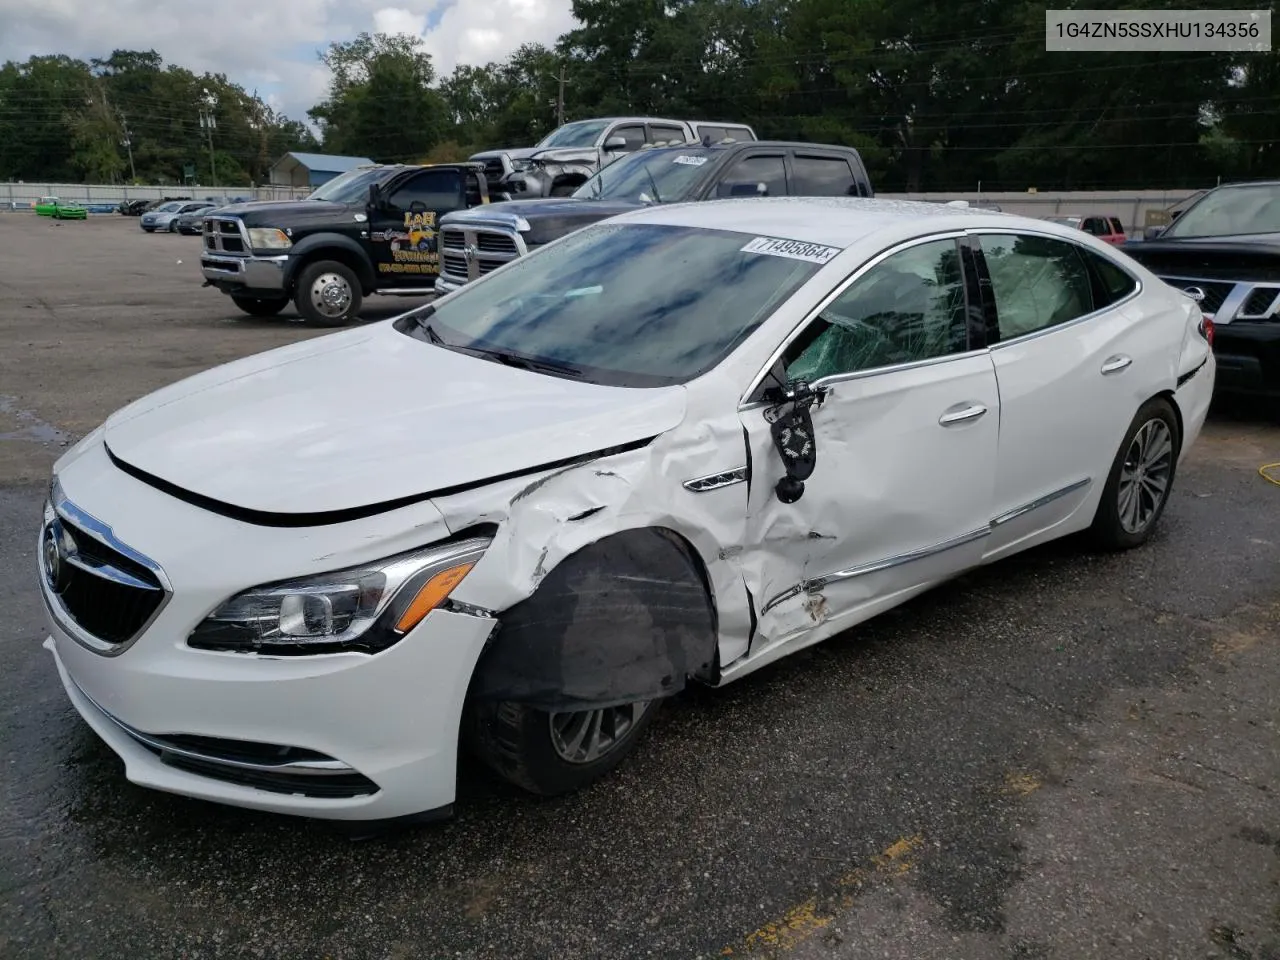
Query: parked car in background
(668, 449)
(60, 209)
(165, 216)
(567, 157)
(191, 223)
(370, 230)
(132, 208)
(1223, 251)
(1106, 228)
(478, 241)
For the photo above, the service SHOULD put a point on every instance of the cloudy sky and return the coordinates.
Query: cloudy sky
(272, 44)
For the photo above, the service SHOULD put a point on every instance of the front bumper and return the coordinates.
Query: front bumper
(390, 720)
(445, 285)
(264, 276)
(1248, 357)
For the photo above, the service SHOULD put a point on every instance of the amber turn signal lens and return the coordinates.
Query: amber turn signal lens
(433, 593)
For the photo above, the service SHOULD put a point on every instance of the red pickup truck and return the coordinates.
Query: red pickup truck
(1109, 229)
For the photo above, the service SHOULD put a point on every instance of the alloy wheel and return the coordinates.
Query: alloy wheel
(1145, 475)
(584, 736)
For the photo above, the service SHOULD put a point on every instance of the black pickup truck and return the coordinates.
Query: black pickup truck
(476, 242)
(372, 230)
(1224, 252)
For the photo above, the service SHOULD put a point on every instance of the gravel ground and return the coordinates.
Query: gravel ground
(1065, 755)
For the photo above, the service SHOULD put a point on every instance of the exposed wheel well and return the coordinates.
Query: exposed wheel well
(628, 617)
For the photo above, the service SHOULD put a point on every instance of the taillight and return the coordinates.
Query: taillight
(1205, 328)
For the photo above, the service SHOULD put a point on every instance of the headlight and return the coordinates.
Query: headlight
(269, 238)
(522, 166)
(363, 609)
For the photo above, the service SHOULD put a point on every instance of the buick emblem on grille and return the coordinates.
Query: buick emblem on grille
(53, 557)
(1195, 293)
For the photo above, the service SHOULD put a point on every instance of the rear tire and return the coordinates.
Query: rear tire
(551, 754)
(328, 294)
(1141, 478)
(257, 307)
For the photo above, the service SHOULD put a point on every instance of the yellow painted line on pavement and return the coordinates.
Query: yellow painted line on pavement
(1022, 784)
(803, 922)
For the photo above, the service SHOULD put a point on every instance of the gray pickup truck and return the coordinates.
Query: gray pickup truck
(480, 240)
(569, 155)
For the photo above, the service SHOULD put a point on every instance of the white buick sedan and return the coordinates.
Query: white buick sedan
(671, 447)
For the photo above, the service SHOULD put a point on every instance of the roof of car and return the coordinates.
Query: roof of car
(836, 221)
(733, 144)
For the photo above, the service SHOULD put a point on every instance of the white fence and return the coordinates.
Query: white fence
(1131, 206)
(103, 198)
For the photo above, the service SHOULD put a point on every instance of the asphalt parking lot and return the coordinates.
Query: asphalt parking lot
(1065, 755)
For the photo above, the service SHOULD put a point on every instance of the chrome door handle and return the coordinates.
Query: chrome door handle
(1116, 364)
(961, 414)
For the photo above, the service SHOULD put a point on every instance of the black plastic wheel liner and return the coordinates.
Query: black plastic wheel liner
(626, 618)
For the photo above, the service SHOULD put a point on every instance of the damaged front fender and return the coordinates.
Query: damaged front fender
(627, 618)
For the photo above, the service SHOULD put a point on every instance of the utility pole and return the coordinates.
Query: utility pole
(128, 145)
(209, 121)
(560, 98)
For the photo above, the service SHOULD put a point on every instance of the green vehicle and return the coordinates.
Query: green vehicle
(60, 209)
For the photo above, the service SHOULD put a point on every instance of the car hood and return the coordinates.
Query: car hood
(515, 153)
(369, 417)
(291, 213)
(548, 219)
(1252, 257)
(555, 154)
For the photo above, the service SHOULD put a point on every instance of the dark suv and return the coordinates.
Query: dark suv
(1224, 252)
(476, 242)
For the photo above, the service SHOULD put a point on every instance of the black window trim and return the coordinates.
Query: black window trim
(817, 153)
(993, 318)
(613, 131)
(752, 398)
(759, 153)
(651, 137)
(419, 174)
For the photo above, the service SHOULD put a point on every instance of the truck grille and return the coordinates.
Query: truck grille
(108, 594)
(494, 170)
(224, 235)
(1227, 301)
(1260, 301)
(468, 252)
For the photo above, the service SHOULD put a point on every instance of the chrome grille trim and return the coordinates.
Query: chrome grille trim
(469, 251)
(58, 507)
(1233, 304)
(217, 230)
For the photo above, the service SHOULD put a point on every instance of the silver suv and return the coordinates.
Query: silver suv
(570, 155)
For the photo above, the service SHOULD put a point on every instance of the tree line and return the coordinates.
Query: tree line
(130, 118)
(936, 96)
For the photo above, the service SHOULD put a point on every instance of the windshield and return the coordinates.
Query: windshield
(349, 187)
(580, 134)
(587, 307)
(168, 207)
(1231, 210)
(648, 176)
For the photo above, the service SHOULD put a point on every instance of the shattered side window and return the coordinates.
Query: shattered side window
(907, 308)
